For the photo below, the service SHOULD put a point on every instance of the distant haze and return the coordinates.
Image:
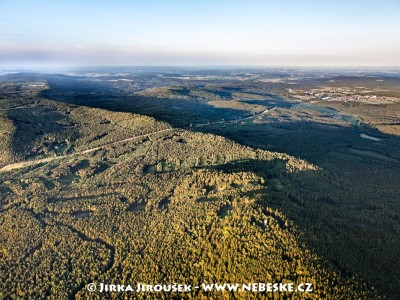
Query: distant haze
(203, 33)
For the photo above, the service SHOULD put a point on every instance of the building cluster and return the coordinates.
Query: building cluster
(342, 94)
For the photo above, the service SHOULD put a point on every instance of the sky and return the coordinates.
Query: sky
(199, 33)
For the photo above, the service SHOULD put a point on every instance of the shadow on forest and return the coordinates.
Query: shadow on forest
(30, 127)
(177, 112)
(343, 225)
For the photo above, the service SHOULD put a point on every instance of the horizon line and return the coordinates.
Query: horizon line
(201, 66)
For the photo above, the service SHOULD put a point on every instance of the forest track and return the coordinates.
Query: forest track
(28, 163)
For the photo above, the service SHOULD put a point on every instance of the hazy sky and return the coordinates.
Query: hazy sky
(194, 32)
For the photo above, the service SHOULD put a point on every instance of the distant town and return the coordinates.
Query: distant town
(342, 94)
